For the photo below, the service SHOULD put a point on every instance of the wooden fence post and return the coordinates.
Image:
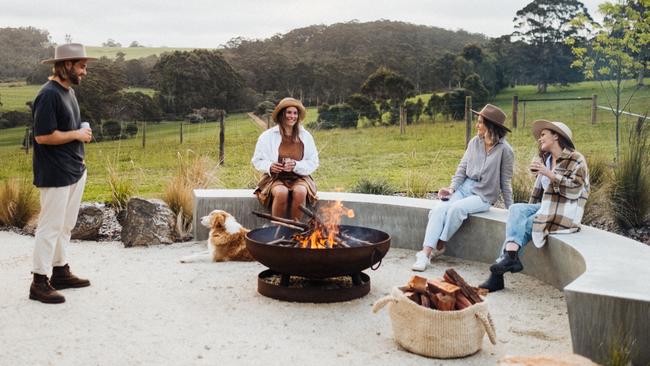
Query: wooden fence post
(594, 108)
(221, 137)
(181, 132)
(468, 119)
(402, 119)
(144, 133)
(515, 108)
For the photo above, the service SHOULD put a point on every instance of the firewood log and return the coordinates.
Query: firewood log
(445, 302)
(436, 285)
(414, 296)
(461, 301)
(467, 290)
(418, 284)
(425, 301)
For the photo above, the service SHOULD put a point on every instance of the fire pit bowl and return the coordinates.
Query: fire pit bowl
(318, 263)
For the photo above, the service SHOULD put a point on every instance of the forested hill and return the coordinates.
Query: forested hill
(336, 59)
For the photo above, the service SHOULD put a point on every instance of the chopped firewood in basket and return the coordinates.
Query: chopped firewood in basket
(418, 284)
(452, 293)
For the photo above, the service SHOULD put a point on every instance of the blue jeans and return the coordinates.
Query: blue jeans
(519, 227)
(445, 219)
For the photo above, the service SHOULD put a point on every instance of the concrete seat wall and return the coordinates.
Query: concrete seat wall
(605, 277)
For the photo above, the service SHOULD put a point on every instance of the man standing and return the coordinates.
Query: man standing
(59, 171)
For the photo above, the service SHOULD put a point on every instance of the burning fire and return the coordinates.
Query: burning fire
(325, 232)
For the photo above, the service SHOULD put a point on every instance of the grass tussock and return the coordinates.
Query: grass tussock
(522, 183)
(630, 188)
(193, 172)
(417, 184)
(121, 188)
(374, 186)
(18, 202)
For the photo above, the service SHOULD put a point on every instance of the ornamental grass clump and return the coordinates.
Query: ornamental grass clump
(193, 172)
(18, 202)
(630, 189)
(374, 186)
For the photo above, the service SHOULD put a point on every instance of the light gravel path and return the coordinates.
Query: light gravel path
(146, 308)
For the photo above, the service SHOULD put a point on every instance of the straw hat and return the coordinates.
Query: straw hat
(289, 102)
(493, 114)
(68, 51)
(557, 127)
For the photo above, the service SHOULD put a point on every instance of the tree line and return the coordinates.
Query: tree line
(328, 65)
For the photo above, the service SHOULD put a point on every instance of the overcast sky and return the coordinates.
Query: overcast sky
(205, 23)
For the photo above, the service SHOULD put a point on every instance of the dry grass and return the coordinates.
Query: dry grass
(18, 202)
(193, 171)
(417, 184)
(522, 183)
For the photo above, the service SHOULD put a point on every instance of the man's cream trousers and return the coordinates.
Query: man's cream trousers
(59, 210)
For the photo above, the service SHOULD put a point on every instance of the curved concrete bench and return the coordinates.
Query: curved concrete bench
(605, 277)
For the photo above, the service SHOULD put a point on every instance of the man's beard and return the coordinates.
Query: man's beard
(74, 78)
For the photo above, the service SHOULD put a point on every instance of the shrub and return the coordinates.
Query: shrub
(378, 186)
(630, 189)
(111, 130)
(131, 129)
(18, 202)
(193, 172)
(338, 115)
(264, 108)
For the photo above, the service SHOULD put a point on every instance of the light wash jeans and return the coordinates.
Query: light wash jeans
(519, 227)
(445, 219)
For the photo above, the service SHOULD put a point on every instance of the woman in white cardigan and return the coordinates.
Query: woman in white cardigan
(287, 156)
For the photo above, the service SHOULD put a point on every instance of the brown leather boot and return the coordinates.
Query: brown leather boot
(62, 278)
(42, 291)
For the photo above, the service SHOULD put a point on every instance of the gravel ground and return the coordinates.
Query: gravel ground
(144, 307)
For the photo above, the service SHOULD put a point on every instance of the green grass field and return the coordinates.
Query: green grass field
(130, 52)
(427, 154)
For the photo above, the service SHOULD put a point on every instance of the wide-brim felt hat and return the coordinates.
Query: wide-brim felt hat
(557, 127)
(68, 51)
(493, 114)
(289, 102)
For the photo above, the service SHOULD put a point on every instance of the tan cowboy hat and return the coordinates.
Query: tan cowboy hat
(557, 127)
(493, 114)
(68, 51)
(289, 102)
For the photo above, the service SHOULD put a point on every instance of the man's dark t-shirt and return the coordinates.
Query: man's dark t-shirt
(56, 108)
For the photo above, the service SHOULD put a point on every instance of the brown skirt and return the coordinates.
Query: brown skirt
(266, 184)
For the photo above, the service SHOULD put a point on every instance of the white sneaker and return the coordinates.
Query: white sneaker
(421, 261)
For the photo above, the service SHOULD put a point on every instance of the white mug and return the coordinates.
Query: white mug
(85, 125)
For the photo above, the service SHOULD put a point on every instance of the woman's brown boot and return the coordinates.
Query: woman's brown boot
(42, 291)
(62, 278)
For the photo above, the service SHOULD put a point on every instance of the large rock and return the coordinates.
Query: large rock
(148, 222)
(89, 220)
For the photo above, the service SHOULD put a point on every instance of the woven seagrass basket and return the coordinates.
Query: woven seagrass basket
(434, 333)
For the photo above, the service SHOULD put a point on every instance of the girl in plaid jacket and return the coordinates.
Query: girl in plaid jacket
(556, 204)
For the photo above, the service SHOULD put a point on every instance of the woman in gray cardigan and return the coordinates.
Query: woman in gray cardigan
(483, 173)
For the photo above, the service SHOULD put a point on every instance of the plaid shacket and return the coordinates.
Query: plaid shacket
(563, 201)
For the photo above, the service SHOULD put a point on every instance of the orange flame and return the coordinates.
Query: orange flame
(326, 229)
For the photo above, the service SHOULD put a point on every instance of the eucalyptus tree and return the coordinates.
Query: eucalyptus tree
(544, 25)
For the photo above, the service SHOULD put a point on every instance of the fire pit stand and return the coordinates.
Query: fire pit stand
(302, 289)
(316, 275)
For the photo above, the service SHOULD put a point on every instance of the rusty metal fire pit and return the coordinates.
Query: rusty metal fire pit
(322, 272)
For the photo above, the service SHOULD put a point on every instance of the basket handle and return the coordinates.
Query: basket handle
(382, 302)
(488, 324)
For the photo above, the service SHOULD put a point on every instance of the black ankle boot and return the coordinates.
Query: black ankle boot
(62, 278)
(494, 283)
(507, 264)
